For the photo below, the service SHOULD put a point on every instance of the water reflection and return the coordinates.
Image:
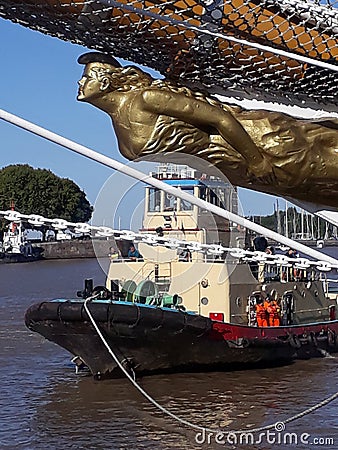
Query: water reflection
(111, 414)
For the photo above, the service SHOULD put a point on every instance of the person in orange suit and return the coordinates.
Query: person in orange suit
(272, 309)
(261, 314)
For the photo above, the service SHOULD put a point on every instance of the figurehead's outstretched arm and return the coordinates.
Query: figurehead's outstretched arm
(210, 118)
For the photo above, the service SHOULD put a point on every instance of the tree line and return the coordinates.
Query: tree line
(40, 191)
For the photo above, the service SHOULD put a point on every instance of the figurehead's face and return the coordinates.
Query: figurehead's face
(90, 87)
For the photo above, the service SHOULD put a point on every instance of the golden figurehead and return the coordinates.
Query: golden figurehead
(262, 150)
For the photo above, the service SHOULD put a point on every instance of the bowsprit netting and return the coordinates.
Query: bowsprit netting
(224, 47)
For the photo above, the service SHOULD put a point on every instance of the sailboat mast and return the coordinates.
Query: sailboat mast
(279, 225)
(286, 220)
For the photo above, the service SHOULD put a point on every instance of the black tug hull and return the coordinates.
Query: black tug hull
(156, 340)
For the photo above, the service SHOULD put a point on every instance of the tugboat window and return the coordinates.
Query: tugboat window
(203, 192)
(221, 194)
(185, 205)
(213, 198)
(154, 201)
(217, 197)
(170, 202)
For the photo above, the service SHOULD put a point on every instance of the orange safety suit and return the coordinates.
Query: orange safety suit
(261, 315)
(273, 309)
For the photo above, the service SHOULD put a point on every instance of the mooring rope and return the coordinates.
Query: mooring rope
(275, 425)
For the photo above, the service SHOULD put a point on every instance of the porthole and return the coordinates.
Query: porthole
(204, 301)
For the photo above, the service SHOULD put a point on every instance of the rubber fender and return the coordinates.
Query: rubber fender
(238, 343)
(41, 311)
(331, 338)
(312, 340)
(294, 341)
(98, 310)
(69, 312)
(122, 313)
(174, 320)
(151, 317)
(198, 324)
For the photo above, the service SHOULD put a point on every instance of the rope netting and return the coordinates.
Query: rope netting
(269, 49)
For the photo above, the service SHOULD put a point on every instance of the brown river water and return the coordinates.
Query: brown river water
(45, 405)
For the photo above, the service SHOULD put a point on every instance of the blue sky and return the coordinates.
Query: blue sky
(39, 83)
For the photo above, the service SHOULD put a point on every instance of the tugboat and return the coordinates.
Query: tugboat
(15, 247)
(164, 310)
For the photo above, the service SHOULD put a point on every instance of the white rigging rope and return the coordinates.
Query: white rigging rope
(136, 174)
(184, 421)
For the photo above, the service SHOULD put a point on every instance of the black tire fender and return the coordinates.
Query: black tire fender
(312, 340)
(331, 338)
(294, 341)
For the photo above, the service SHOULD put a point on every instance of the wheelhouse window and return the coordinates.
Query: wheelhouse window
(185, 205)
(221, 196)
(170, 202)
(215, 196)
(203, 192)
(154, 200)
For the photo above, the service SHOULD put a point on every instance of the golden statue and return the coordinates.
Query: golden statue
(262, 150)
